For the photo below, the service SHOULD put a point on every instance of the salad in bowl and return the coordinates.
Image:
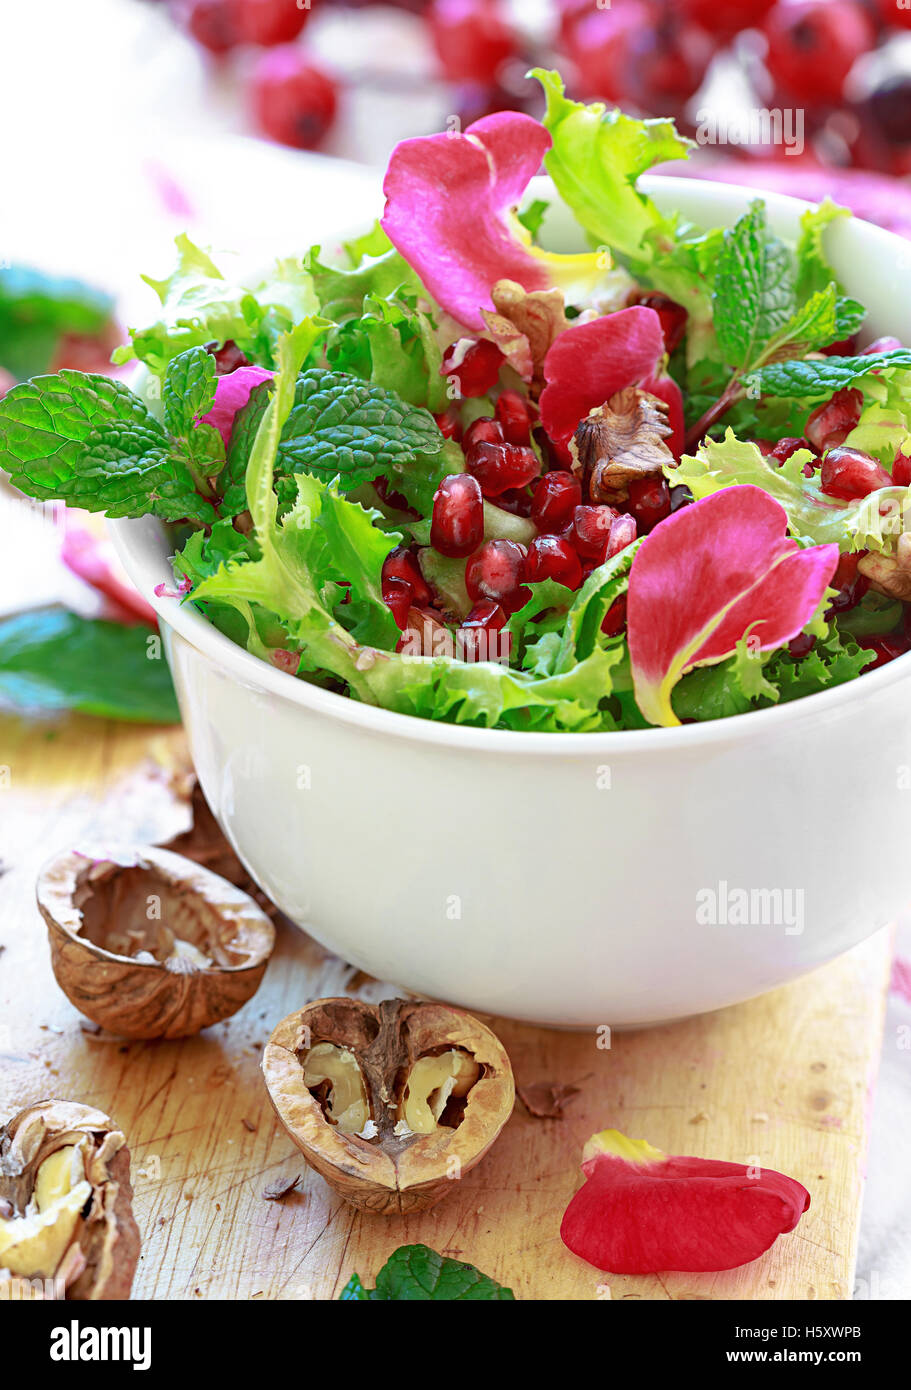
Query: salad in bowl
(449, 473)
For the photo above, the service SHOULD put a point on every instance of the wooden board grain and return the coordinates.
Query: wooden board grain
(783, 1081)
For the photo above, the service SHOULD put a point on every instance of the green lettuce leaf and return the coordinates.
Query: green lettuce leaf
(199, 305)
(392, 344)
(873, 523)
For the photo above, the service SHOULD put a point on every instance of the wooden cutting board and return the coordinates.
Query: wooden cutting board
(784, 1081)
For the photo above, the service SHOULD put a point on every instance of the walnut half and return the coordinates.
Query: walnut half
(620, 442)
(391, 1103)
(149, 944)
(66, 1216)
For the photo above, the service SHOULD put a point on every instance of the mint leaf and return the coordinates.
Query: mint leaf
(189, 392)
(340, 426)
(90, 442)
(51, 660)
(415, 1273)
(754, 295)
(817, 380)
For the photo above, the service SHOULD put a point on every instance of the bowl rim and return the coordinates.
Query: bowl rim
(132, 542)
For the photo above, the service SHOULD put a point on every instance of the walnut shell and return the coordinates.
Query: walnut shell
(101, 1260)
(390, 1173)
(203, 943)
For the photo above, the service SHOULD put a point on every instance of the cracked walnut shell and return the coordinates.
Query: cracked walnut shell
(66, 1217)
(390, 1103)
(149, 944)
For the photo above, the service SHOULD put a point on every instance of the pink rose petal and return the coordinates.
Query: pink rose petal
(231, 394)
(591, 362)
(448, 204)
(709, 576)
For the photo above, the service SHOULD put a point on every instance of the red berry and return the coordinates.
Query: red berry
(830, 424)
(513, 416)
(666, 62)
(398, 596)
(484, 430)
(499, 467)
(401, 564)
(812, 45)
(476, 368)
(851, 585)
(495, 572)
(591, 528)
(228, 357)
(901, 469)
(892, 12)
(552, 557)
(556, 497)
(726, 18)
(516, 500)
(850, 474)
(783, 450)
(391, 498)
(479, 638)
(211, 23)
(615, 618)
(268, 22)
(457, 526)
(649, 501)
(472, 39)
(449, 425)
(294, 101)
(886, 649)
(597, 43)
(847, 347)
(673, 316)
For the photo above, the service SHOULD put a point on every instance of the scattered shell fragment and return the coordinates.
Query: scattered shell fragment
(148, 944)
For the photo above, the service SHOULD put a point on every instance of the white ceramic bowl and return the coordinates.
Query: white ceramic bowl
(574, 880)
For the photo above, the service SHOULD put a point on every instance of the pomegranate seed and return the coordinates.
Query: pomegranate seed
(555, 499)
(457, 527)
(849, 474)
(476, 637)
(783, 450)
(901, 469)
(649, 501)
(681, 496)
(830, 424)
(801, 645)
(622, 533)
(851, 585)
(393, 499)
(615, 618)
(495, 572)
(449, 425)
(515, 421)
(591, 530)
(847, 347)
(425, 634)
(401, 564)
(228, 357)
(484, 430)
(477, 371)
(552, 557)
(673, 316)
(887, 344)
(516, 500)
(397, 596)
(499, 467)
(886, 649)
